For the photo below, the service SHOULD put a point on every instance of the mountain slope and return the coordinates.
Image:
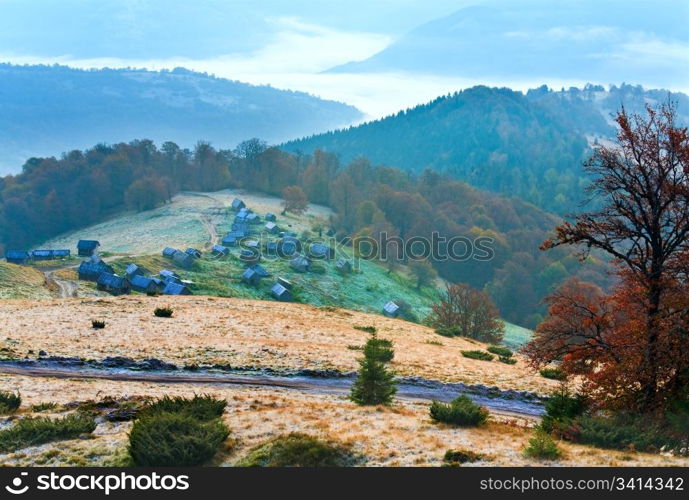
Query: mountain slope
(644, 42)
(45, 110)
(528, 145)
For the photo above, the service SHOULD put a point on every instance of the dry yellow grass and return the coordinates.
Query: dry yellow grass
(208, 330)
(402, 435)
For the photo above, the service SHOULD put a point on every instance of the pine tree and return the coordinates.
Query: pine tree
(375, 384)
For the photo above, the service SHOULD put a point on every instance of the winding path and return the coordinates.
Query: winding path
(406, 390)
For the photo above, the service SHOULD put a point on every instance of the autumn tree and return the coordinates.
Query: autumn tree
(423, 272)
(643, 225)
(294, 200)
(467, 312)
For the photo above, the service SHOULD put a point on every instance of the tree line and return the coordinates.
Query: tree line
(81, 188)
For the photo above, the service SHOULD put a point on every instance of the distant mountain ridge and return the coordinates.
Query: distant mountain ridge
(45, 110)
(529, 145)
(583, 40)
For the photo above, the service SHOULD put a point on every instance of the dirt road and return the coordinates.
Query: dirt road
(406, 389)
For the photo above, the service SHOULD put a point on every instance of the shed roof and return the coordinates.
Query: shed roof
(112, 281)
(88, 244)
(172, 288)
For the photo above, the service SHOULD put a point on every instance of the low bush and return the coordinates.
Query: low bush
(97, 324)
(43, 407)
(500, 351)
(624, 431)
(561, 409)
(35, 431)
(175, 440)
(163, 312)
(553, 373)
(462, 411)
(9, 402)
(507, 361)
(454, 458)
(449, 332)
(203, 408)
(367, 329)
(542, 446)
(298, 450)
(480, 355)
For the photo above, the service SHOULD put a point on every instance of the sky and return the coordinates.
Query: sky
(283, 44)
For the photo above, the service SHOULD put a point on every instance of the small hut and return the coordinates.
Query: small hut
(17, 256)
(270, 217)
(391, 309)
(284, 282)
(86, 248)
(300, 264)
(249, 256)
(260, 270)
(193, 252)
(134, 270)
(321, 251)
(343, 266)
(91, 270)
(281, 293)
(144, 284)
(220, 251)
(176, 289)
(183, 259)
(238, 204)
(251, 277)
(113, 284)
(272, 228)
(169, 276)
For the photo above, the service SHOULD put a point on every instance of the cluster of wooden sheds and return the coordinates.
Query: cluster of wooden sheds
(246, 223)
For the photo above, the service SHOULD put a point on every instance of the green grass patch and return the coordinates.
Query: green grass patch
(299, 450)
(35, 431)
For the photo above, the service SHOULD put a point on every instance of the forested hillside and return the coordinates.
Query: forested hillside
(45, 110)
(53, 196)
(531, 146)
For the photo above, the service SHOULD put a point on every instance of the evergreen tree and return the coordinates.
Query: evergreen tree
(375, 384)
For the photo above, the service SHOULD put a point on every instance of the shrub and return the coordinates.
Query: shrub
(374, 384)
(203, 408)
(43, 407)
(97, 324)
(298, 450)
(163, 312)
(560, 411)
(175, 439)
(542, 446)
(367, 329)
(624, 431)
(9, 401)
(553, 373)
(462, 411)
(480, 355)
(500, 351)
(35, 431)
(507, 361)
(454, 458)
(448, 332)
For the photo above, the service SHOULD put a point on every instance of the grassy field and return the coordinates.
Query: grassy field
(240, 332)
(18, 282)
(200, 219)
(401, 435)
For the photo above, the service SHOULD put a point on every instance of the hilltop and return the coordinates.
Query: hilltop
(79, 108)
(527, 145)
